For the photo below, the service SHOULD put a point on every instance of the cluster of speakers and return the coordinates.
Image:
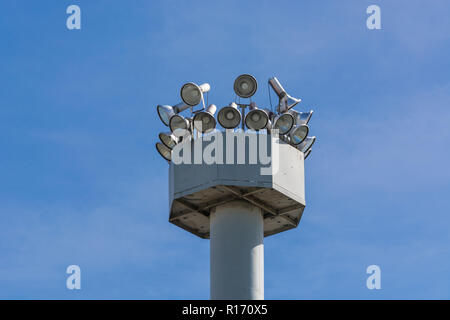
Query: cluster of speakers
(291, 125)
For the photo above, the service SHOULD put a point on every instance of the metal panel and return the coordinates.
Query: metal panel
(197, 188)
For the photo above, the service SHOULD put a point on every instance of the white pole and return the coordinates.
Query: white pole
(237, 252)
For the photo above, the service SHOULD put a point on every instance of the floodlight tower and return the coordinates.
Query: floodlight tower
(234, 201)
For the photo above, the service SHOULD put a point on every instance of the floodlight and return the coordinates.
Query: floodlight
(307, 154)
(299, 133)
(245, 86)
(229, 117)
(180, 126)
(169, 139)
(283, 122)
(166, 112)
(164, 151)
(192, 93)
(301, 117)
(256, 119)
(204, 121)
(286, 101)
(306, 144)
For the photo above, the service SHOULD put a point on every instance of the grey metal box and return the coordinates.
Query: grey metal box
(194, 189)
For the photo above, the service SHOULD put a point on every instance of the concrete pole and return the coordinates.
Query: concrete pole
(237, 252)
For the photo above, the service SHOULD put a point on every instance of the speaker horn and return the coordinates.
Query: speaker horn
(286, 101)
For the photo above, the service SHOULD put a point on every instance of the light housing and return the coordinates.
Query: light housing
(286, 101)
(299, 133)
(229, 117)
(301, 117)
(257, 119)
(245, 86)
(306, 144)
(204, 121)
(180, 126)
(192, 94)
(164, 151)
(169, 139)
(166, 112)
(283, 122)
(307, 154)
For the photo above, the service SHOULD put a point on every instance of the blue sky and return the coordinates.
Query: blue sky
(81, 182)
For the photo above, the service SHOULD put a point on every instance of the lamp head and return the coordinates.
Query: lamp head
(204, 121)
(256, 119)
(286, 101)
(166, 112)
(245, 86)
(229, 117)
(179, 126)
(168, 139)
(301, 117)
(192, 94)
(165, 152)
(283, 122)
(299, 133)
(306, 144)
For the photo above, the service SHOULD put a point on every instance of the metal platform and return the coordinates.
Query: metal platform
(195, 189)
